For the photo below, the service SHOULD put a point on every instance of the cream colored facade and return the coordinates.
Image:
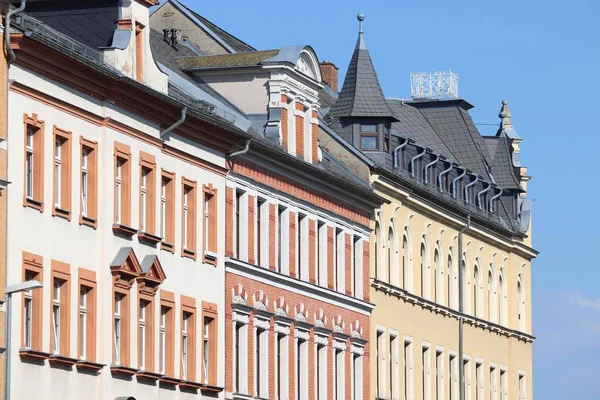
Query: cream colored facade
(420, 310)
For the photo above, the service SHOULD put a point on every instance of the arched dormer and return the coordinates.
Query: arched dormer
(308, 64)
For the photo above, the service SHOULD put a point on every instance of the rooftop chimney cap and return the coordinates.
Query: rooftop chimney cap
(360, 17)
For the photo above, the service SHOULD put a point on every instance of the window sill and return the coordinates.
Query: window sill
(211, 388)
(210, 258)
(57, 359)
(123, 371)
(169, 380)
(124, 230)
(59, 212)
(147, 375)
(188, 254)
(31, 203)
(33, 354)
(87, 221)
(88, 366)
(189, 385)
(148, 237)
(167, 247)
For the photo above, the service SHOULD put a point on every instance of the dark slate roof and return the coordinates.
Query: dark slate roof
(502, 168)
(249, 59)
(167, 55)
(235, 43)
(91, 22)
(361, 94)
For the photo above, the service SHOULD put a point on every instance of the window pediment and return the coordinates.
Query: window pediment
(152, 275)
(125, 268)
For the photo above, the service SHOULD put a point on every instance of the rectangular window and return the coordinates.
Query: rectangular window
(452, 377)
(261, 363)
(357, 375)
(148, 196)
(379, 375)
(439, 375)
(188, 218)
(209, 223)
(122, 185)
(237, 361)
(368, 137)
(239, 196)
(392, 369)
(281, 246)
(503, 385)
(522, 387)
(165, 338)
(408, 377)
(262, 220)
(60, 309)
(357, 255)
(302, 242)
(339, 374)
(467, 378)
(89, 182)
(282, 366)
(188, 339)
(167, 211)
(321, 372)
(339, 260)
(121, 328)
(34, 162)
(478, 381)
(62, 173)
(142, 339)
(301, 370)
(146, 332)
(425, 373)
(321, 253)
(493, 384)
(86, 327)
(209, 345)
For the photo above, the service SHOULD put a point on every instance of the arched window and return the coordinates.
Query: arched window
(378, 273)
(438, 276)
(520, 305)
(465, 283)
(490, 296)
(451, 285)
(392, 258)
(404, 261)
(423, 272)
(476, 300)
(501, 300)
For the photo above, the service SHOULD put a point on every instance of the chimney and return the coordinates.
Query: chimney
(329, 72)
(166, 35)
(174, 38)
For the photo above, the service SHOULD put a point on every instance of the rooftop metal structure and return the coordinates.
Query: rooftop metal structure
(434, 85)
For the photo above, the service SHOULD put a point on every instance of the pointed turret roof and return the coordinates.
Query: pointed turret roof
(361, 95)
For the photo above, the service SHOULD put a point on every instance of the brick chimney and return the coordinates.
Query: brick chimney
(329, 72)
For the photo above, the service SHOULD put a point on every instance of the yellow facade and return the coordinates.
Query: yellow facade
(417, 302)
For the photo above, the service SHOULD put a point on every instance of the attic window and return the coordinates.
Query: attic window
(368, 137)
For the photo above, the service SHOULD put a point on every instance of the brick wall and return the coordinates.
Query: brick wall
(299, 131)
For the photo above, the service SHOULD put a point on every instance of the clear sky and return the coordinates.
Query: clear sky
(544, 58)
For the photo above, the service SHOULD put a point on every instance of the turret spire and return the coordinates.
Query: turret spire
(360, 43)
(505, 116)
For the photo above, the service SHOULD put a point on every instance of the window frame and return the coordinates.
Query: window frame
(87, 279)
(209, 311)
(60, 272)
(61, 198)
(122, 180)
(147, 222)
(168, 220)
(89, 217)
(188, 306)
(209, 224)
(32, 266)
(148, 348)
(167, 302)
(369, 134)
(188, 218)
(36, 199)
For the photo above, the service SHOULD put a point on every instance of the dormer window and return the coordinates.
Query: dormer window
(368, 137)
(139, 52)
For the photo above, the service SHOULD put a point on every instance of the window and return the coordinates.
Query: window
(501, 300)
(188, 218)
(503, 385)
(89, 182)
(148, 197)
(438, 278)
(301, 369)
(120, 324)
(408, 370)
(522, 387)
(167, 211)
(520, 306)
(262, 219)
(281, 366)
(62, 173)
(476, 291)
(142, 339)
(188, 339)
(451, 284)
(86, 327)
(237, 353)
(368, 137)
(321, 372)
(391, 258)
(339, 260)
(139, 52)
(424, 273)
(392, 370)
(478, 381)
(467, 378)
(209, 223)
(452, 377)
(321, 253)
(165, 334)
(490, 297)
(378, 264)
(34, 162)
(426, 373)
(493, 384)
(380, 365)
(239, 196)
(405, 261)
(357, 375)
(439, 375)
(122, 185)
(261, 359)
(281, 246)
(357, 267)
(302, 242)
(339, 374)
(60, 309)
(32, 316)
(209, 344)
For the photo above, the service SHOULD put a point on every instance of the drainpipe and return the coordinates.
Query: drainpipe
(441, 175)
(461, 355)
(437, 158)
(469, 185)
(228, 157)
(491, 203)
(458, 178)
(415, 158)
(9, 52)
(396, 150)
(480, 194)
(176, 124)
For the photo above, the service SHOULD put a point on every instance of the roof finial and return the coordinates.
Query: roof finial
(360, 17)
(505, 116)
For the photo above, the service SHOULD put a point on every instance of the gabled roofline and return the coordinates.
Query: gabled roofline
(195, 20)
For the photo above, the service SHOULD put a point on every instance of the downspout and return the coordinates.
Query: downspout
(480, 194)
(437, 158)
(456, 180)
(176, 124)
(9, 52)
(491, 203)
(469, 185)
(10, 59)
(461, 355)
(396, 150)
(415, 158)
(441, 176)
(228, 157)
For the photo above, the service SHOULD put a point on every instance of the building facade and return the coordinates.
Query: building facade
(452, 195)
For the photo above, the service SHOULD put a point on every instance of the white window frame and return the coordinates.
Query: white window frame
(162, 339)
(339, 360)
(322, 254)
(83, 293)
(184, 215)
(117, 324)
(84, 182)
(163, 207)
(28, 316)
(56, 315)
(118, 190)
(340, 260)
(440, 373)
(409, 382)
(261, 335)
(241, 319)
(321, 352)
(426, 369)
(29, 162)
(142, 332)
(143, 198)
(184, 344)
(206, 348)
(57, 172)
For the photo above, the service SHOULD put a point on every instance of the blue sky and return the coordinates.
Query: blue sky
(544, 58)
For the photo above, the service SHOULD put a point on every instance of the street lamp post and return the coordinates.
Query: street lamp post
(19, 287)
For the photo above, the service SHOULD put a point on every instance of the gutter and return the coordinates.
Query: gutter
(468, 186)
(396, 150)
(481, 206)
(9, 52)
(437, 158)
(415, 158)
(176, 124)
(461, 318)
(441, 175)
(491, 202)
(458, 178)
